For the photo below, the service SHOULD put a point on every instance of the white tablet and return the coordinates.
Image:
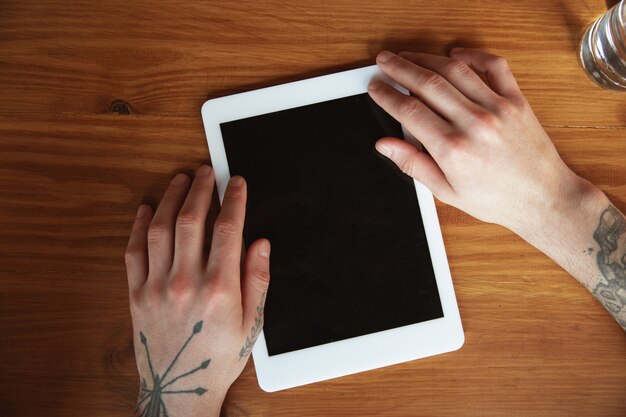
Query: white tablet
(359, 274)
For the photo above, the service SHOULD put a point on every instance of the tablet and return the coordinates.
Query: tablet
(359, 274)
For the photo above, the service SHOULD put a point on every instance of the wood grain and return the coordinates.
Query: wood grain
(166, 59)
(72, 174)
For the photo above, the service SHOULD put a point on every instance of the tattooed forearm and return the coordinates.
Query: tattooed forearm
(256, 330)
(611, 259)
(155, 406)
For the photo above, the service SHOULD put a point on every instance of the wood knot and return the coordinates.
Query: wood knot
(120, 107)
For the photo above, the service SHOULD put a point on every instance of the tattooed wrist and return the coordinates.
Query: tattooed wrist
(153, 396)
(611, 260)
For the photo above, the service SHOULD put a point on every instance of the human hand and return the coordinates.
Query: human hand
(488, 155)
(195, 318)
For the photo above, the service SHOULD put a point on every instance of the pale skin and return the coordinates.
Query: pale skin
(197, 315)
(174, 284)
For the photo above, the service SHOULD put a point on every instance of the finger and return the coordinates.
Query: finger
(416, 164)
(499, 74)
(434, 90)
(458, 73)
(190, 232)
(256, 279)
(226, 244)
(137, 250)
(161, 232)
(422, 122)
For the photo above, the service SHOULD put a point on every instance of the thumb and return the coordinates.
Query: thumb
(256, 279)
(416, 164)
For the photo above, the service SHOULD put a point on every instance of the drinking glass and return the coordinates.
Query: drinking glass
(603, 49)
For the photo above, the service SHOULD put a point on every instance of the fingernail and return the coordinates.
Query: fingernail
(236, 181)
(179, 179)
(384, 56)
(203, 171)
(385, 150)
(264, 249)
(142, 211)
(453, 50)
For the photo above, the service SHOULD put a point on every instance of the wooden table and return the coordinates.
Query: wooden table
(100, 107)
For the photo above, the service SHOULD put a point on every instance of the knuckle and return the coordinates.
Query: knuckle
(131, 254)
(396, 62)
(459, 146)
(157, 231)
(135, 296)
(521, 103)
(408, 106)
(503, 106)
(454, 136)
(432, 81)
(407, 167)
(456, 151)
(180, 287)
(455, 67)
(188, 221)
(485, 121)
(499, 62)
(154, 290)
(226, 227)
(263, 276)
(455, 145)
(234, 194)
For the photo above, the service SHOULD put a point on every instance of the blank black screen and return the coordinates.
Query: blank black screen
(349, 252)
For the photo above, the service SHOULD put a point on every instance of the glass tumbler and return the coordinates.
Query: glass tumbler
(603, 49)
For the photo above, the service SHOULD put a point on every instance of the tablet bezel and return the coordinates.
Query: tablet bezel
(360, 353)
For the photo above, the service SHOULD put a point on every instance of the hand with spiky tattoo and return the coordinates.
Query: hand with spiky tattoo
(196, 316)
